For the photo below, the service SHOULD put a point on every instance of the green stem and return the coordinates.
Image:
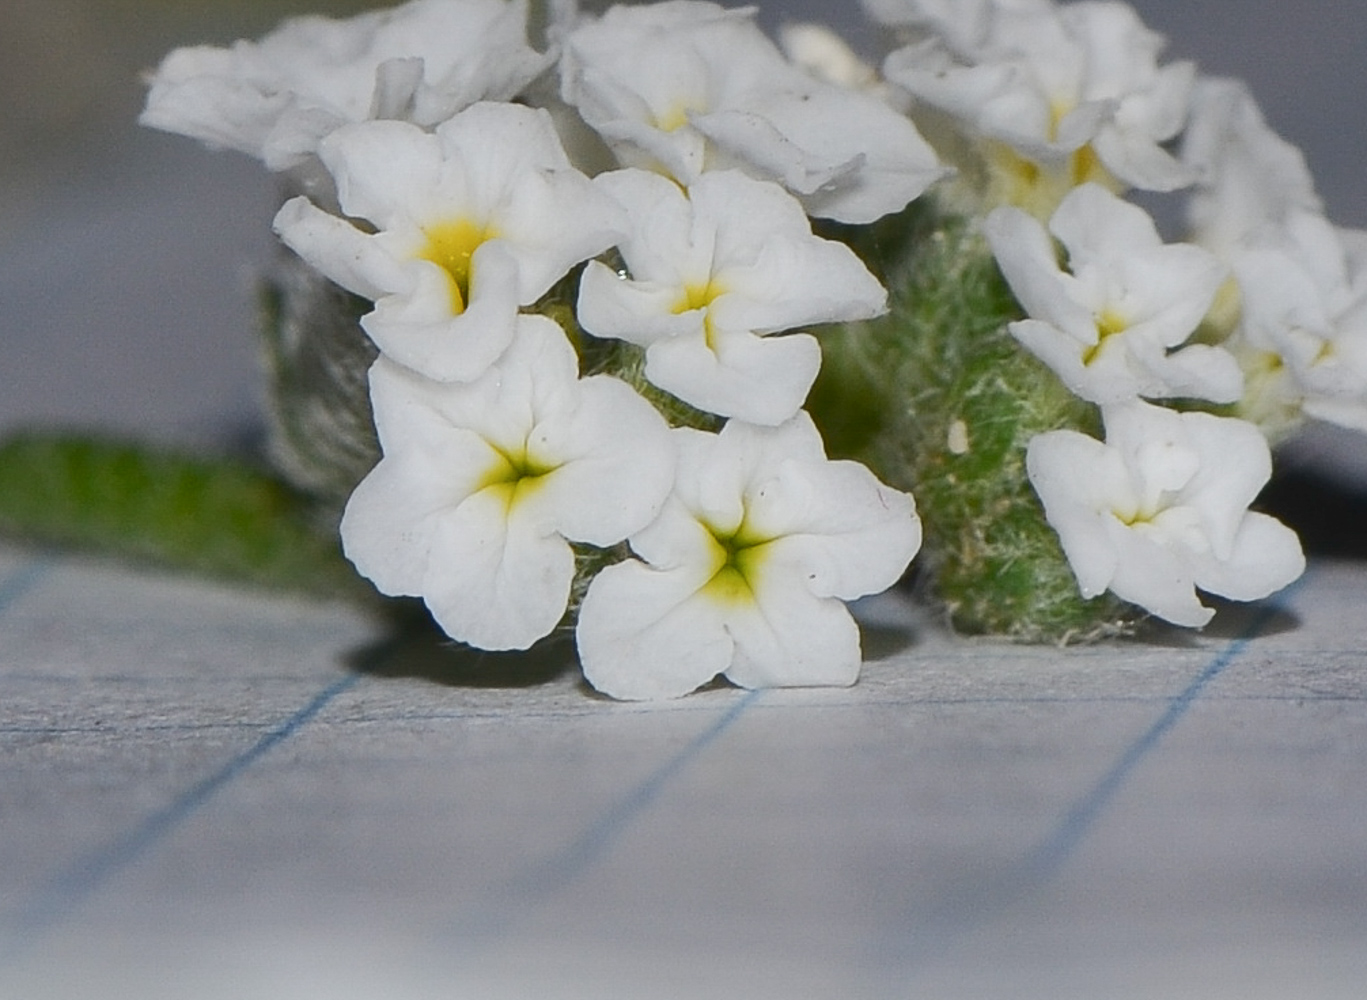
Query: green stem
(938, 399)
(210, 516)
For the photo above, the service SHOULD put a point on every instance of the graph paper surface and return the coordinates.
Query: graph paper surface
(215, 794)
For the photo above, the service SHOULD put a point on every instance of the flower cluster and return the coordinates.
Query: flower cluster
(1056, 112)
(436, 157)
(600, 262)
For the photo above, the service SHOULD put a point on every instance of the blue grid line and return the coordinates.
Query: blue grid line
(18, 584)
(948, 923)
(64, 893)
(1055, 850)
(119, 729)
(561, 869)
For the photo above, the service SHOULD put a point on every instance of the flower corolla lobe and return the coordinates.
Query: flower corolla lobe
(1299, 323)
(711, 272)
(745, 571)
(462, 228)
(1112, 324)
(484, 484)
(277, 98)
(1161, 508)
(686, 86)
(1070, 93)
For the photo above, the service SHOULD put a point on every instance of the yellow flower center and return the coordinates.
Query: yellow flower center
(701, 295)
(451, 245)
(676, 115)
(514, 475)
(737, 558)
(1013, 179)
(1108, 324)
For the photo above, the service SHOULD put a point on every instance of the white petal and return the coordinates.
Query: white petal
(1198, 371)
(207, 94)
(763, 380)
(618, 464)
(639, 312)
(798, 282)
(276, 98)
(1156, 577)
(744, 214)
(661, 244)
(645, 633)
(1250, 178)
(429, 465)
(396, 85)
(387, 525)
(1265, 557)
(791, 638)
(553, 221)
(414, 418)
(419, 329)
(494, 580)
(341, 252)
(1095, 225)
(1167, 291)
(1157, 449)
(514, 175)
(385, 171)
(1028, 261)
(676, 539)
(661, 77)
(1079, 481)
(1133, 157)
(842, 532)
(1103, 381)
(1235, 464)
(846, 154)
(537, 375)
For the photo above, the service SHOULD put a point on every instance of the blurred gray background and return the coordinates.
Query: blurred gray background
(127, 257)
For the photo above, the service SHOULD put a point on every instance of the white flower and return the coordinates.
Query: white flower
(746, 570)
(1298, 320)
(1303, 324)
(686, 86)
(712, 270)
(827, 56)
(277, 98)
(1251, 183)
(1160, 509)
(465, 226)
(963, 24)
(1064, 91)
(1111, 324)
(484, 484)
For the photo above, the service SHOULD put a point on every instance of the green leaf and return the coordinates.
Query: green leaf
(215, 517)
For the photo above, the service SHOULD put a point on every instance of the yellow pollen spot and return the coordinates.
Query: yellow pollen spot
(676, 115)
(514, 475)
(1268, 363)
(1138, 515)
(1086, 166)
(1108, 324)
(1038, 187)
(1224, 315)
(737, 558)
(701, 296)
(450, 245)
(1131, 520)
(1058, 110)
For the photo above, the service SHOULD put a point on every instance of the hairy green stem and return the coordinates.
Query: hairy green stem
(938, 399)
